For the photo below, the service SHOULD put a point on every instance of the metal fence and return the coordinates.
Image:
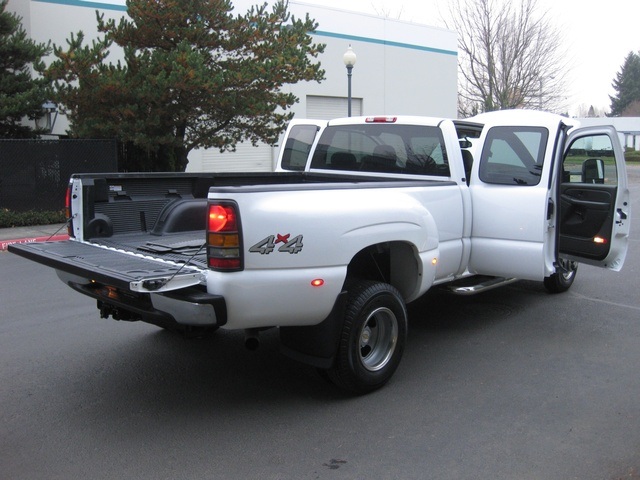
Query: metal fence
(34, 173)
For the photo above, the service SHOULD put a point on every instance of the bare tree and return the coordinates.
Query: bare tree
(589, 111)
(510, 56)
(385, 12)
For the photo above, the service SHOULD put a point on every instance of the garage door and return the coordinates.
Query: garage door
(246, 158)
(326, 108)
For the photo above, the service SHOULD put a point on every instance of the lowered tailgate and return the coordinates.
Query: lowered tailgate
(121, 269)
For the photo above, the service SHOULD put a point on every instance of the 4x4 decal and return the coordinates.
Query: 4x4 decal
(268, 244)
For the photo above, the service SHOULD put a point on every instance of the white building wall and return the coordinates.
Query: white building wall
(628, 128)
(401, 67)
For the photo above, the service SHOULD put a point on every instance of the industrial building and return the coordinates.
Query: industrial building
(401, 67)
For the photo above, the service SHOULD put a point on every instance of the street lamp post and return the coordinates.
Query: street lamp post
(49, 116)
(349, 59)
(540, 96)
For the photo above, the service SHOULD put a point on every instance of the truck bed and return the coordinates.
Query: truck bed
(137, 227)
(175, 247)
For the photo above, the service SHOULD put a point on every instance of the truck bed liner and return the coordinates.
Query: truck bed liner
(117, 265)
(178, 247)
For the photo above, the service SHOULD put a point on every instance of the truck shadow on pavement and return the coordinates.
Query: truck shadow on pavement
(162, 371)
(439, 310)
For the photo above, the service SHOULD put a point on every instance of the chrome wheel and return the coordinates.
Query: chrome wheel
(378, 339)
(570, 268)
(372, 338)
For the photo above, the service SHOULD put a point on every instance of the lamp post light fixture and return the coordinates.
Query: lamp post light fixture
(541, 101)
(349, 59)
(49, 116)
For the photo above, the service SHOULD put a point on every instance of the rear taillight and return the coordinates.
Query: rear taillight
(67, 210)
(224, 248)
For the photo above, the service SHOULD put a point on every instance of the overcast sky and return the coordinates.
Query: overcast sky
(599, 34)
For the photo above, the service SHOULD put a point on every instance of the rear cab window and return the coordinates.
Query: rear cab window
(385, 148)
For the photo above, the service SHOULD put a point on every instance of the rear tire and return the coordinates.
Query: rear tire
(564, 277)
(372, 339)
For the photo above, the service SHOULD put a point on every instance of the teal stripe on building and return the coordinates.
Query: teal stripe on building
(320, 33)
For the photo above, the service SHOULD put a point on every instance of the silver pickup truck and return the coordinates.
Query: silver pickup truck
(363, 216)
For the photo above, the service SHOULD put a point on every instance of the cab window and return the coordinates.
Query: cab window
(298, 145)
(513, 155)
(590, 160)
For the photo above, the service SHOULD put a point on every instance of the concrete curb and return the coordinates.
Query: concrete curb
(4, 244)
(31, 234)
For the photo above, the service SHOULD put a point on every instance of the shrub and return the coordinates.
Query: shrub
(631, 155)
(9, 218)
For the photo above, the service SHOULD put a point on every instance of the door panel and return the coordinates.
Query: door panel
(594, 200)
(585, 214)
(541, 196)
(510, 197)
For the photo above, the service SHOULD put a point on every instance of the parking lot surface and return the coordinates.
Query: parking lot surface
(514, 383)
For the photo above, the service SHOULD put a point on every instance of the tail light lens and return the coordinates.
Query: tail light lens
(224, 246)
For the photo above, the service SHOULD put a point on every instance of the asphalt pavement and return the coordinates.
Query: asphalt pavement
(511, 384)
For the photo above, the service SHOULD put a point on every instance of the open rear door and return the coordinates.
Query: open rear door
(512, 234)
(594, 213)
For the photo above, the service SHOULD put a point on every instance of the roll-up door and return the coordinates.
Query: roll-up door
(246, 158)
(326, 108)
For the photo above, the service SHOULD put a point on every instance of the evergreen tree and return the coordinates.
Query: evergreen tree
(626, 85)
(193, 75)
(20, 94)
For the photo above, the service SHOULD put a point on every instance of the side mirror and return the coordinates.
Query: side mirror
(593, 170)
